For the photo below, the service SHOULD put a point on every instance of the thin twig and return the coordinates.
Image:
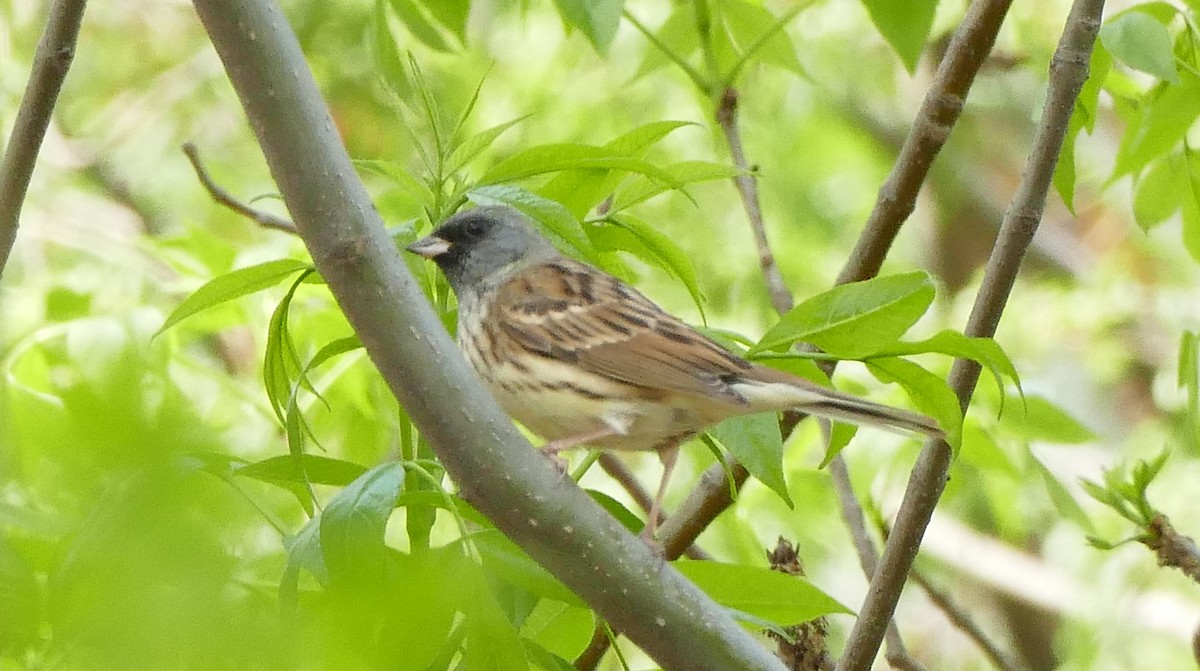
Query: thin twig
(943, 103)
(747, 186)
(1068, 71)
(51, 61)
(868, 557)
(967, 624)
(618, 471)
(223, 197)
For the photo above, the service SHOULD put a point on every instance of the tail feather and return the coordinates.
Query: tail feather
(771, 389)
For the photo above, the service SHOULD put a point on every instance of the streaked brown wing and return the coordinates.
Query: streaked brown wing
(566, 310)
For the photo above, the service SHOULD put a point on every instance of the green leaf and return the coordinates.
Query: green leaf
(854, 320)
(666, 254)
(1189, 379)
(1141, 42)
(641, 188)
(928, 392)
(452, 15)
(1064, 168)
(303, 468)
(303, 553)
(353, 524)
(548, 158)
(492, 641)
(597, 19)
(554, 218)
(754, 440)
(905, 24)
(502, 558)
(235, 284)
(412, 14)
(1063, 502)
(399, 177)
(753, 27)
(625, 516)
(1159, 191)
(1159, 125)
(761, 592)
(474, 145)
(1048, 422)
(558, 628)
(985, 351)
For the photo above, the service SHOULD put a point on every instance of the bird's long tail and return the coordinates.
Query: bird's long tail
(776, 390)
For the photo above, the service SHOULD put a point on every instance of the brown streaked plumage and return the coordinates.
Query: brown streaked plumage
(579, 357)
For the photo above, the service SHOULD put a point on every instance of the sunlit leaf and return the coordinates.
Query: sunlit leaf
(559, 628)
(554, 218)
(759, 591)
(857, 319)
(905, 24)
(666, 254)
(597, 19)
(755, 441)
(353, 523)
(1062, 499)
(928, 392)
(235, 284)
(1141, 42)
(303, 468)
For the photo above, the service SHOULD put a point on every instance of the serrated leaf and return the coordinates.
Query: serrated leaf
(905, 24)
(353, 524)
(761, 592)
(1141, 42)
(667, 254)
(596, 19)
(755, 441)
(854, 320)
(554, 218)
(303, 468)
(1063, 502)
(231, 285)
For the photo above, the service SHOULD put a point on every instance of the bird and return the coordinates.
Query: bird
(581, 358)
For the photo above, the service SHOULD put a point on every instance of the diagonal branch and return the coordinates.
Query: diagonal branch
(496, 469)
(53, 58)
(1068, 71)
(223, 197)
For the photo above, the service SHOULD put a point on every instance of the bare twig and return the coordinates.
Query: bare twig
(747, 186)
(1068, 71)
(967, 624)
(943, 103)
(868, 557)
(55, 51)
(618, 471)
(223, 197)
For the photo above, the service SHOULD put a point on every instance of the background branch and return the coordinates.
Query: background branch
(55, 50)
(223, 197)
(496, 469)
(1068, 71)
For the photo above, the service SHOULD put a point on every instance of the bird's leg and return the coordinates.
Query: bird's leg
(668, 455)
(552, 448)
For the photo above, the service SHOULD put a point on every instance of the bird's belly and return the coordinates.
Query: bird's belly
(557, 407)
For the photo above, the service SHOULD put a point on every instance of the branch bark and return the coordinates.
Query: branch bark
(55, 51)
(495, 468)
(1068, 71)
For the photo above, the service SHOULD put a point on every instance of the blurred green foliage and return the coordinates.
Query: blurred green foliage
(240, 490)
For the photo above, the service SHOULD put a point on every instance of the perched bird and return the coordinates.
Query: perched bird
(581, 358)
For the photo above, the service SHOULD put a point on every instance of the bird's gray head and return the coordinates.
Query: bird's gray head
(483, 246)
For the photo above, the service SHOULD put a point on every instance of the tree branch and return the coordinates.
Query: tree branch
(495, 468)
(747, 186)
(1068, 71)
(943, 103)
(223, 197)
(53, 58)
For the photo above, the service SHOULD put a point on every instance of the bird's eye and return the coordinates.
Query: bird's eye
(476, 228)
